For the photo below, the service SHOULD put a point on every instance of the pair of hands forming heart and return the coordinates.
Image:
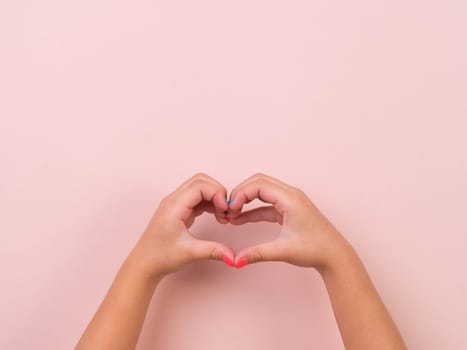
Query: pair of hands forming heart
(306, 237)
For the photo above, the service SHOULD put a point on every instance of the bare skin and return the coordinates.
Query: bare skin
(306, 239)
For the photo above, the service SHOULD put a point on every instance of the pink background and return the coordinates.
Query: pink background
(106, 106)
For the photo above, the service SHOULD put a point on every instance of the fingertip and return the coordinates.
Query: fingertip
(228, 255)
(220, 201)
(235, 202)
(235, 207)
(222, 219)
(240, 262)
(228, 260)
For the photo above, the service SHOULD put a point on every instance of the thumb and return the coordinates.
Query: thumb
(270, 251)
(202, 249)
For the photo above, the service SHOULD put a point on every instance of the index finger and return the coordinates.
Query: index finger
(260, 187)
(198, 188)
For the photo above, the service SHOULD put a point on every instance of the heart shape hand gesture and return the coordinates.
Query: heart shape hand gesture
(306, 237)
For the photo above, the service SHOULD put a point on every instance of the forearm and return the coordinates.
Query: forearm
(119, 319)
(362, 318)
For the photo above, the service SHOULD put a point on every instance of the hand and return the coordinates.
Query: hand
(167, 244)
(307, 238)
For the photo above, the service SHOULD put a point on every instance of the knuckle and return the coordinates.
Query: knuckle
(261, 182)
(259, 175)
(255, 256)
(165, 202)
(198, 181)
(215, 254)
(200, 175)
(298, 192)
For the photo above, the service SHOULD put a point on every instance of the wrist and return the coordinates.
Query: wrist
(137, 266)
(342, 256)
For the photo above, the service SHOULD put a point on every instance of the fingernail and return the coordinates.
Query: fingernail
(228, 261)
(242, 262)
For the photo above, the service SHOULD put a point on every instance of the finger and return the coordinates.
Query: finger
(256, 177)
(268, 214)
(219, 200)
(207, 207)
(201, 177)
(221, 207)
(203, 249)
(198, 189)
(270, 251)
(195, 177)
(260, 187)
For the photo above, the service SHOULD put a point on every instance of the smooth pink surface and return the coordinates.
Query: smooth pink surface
(106, 106)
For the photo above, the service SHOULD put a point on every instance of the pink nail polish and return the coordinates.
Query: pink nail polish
(242, 262)
(228, 261)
